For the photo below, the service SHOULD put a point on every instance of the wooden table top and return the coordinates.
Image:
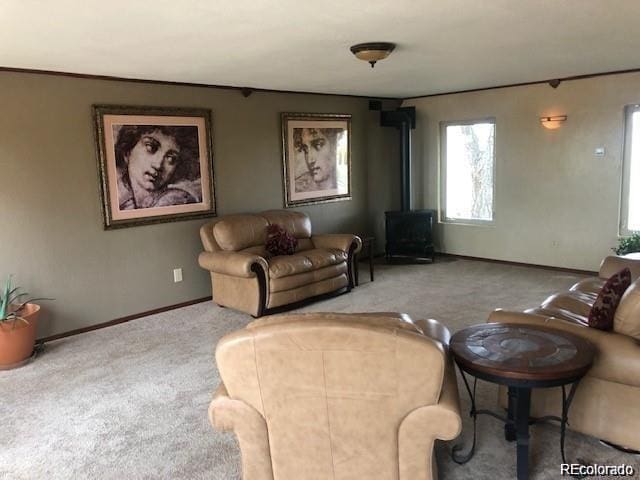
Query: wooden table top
(521, 352)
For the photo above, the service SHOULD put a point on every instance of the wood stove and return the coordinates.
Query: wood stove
(408, 232)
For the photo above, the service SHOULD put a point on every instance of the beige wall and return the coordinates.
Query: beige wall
(53, 239)
(556, 202)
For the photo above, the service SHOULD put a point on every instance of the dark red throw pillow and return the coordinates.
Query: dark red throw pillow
(279, 241)
(604, 308)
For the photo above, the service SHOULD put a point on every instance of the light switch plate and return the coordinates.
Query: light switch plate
(177, 275)
(599, 152)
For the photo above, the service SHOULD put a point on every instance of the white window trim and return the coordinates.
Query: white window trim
(629, 110)
(443, 173)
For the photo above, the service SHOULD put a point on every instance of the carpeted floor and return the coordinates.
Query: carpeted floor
(131, 400)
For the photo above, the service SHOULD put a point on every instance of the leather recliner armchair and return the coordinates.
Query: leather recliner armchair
(337, 396)
(246, 278)
(606, 403)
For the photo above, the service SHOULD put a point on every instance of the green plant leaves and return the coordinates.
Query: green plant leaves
(5, 299)
(13, 296)
(628, 245)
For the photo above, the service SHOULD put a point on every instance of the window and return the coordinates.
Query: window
(630, 214)
(468, 170)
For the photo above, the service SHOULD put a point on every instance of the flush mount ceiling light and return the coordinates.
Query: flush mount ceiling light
(552, 123)
(373, 51)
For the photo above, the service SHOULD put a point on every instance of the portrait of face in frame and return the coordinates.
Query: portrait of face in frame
(155, 164)
(316, 158)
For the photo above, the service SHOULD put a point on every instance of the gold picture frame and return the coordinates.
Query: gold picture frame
(316, 158)
(155, 164)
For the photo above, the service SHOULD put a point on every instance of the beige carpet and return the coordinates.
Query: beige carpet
(130, 401)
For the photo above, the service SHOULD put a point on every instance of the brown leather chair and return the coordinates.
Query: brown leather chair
(244, 277)
(607, 401)
(337, 396)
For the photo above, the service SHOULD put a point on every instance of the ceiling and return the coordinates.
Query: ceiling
(297, 45)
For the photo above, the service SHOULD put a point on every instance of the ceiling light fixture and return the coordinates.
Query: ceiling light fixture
(373, 51)
(551, 123)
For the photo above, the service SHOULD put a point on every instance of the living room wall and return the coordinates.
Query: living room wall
(556, 202)
(53, 238)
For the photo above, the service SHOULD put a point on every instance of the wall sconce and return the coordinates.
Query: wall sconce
(551, 123)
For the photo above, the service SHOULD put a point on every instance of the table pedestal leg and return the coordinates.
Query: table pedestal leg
(522, 405)
(510, 425)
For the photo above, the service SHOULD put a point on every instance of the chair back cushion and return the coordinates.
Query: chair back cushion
(333, 389)
(296, 223)
(237, 232)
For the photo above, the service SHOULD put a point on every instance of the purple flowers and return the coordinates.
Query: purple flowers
(279, 241)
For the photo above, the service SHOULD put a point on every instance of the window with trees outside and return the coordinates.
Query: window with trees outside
(467, 171)
(630, 214)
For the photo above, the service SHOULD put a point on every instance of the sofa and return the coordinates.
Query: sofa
(246, 278)
(607, 401)
(337, 396)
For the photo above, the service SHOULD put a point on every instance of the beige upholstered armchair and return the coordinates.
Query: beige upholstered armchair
(337, 396)
(244, 277)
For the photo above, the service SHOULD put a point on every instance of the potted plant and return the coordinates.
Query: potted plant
(18, 319)
(628, 245)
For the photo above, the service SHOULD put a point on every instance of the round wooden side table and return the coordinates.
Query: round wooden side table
(521, 357)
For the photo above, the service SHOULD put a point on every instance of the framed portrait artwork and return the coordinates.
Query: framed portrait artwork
(316, 158)
(155, 164)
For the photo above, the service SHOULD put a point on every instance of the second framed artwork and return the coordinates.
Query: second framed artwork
(316, 158)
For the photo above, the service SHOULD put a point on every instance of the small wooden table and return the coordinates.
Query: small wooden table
(521, 357)
(368, 243)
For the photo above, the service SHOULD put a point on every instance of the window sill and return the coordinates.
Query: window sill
(469, 223)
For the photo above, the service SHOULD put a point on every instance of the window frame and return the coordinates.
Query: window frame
(443, 172)
(624, 230)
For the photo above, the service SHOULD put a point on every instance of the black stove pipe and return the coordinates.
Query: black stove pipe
(404, 119)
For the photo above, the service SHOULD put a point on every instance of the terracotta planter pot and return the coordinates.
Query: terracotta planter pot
(18, 338)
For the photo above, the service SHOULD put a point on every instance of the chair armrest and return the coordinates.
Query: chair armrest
(421, 427)
(339, 241)
(236, 264)
(436, 330)
(228, 414)
(442, 420)
(221, 414)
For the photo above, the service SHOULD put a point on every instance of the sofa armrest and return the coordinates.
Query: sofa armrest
(617, 356)
(506, 316)
(614, 263)
(339, 241)
(421, 427)
(236, 264)
(228, 414)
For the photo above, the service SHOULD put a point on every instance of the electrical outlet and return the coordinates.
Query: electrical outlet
(177, 275)
(599, 152)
